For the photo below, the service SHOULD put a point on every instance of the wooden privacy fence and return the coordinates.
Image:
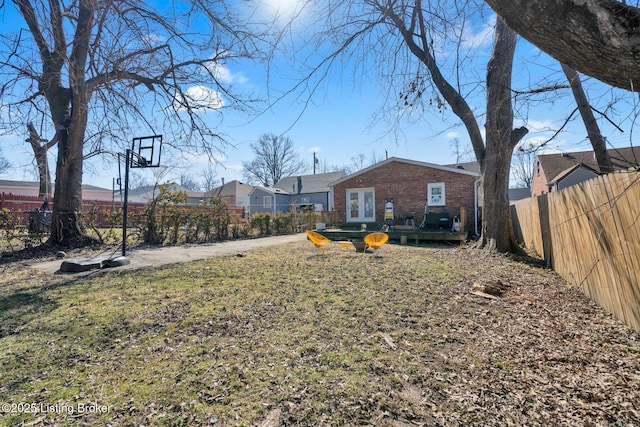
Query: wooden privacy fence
(590, 234)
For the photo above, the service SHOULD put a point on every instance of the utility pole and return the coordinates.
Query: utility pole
(315, 162)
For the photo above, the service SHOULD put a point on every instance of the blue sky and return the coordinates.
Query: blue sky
(344, 119)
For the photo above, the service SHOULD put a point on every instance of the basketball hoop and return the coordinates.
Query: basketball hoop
(144, 153)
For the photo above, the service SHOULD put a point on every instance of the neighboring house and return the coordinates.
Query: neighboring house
(516, 194)
(468, 166)
(268, 200)
(557, 171)
(310, 191)
(30, 188)
(233, 193)
(148, 192)
(19, 188)
(361, 197)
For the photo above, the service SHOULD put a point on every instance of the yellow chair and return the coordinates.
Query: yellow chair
(346, 244)
(375, 240)
(317, 239)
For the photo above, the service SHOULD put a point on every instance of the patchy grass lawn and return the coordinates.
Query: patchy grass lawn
(295, 335)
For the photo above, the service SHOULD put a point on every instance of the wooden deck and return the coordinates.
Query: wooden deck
(401, 234)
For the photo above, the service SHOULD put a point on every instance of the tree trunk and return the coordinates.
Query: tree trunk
(596, 37)
(494, 156)
(497, 230)
(69, 112)
(593, 130)
(66, 226)
(40, 155)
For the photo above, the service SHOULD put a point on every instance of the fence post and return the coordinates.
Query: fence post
(545, 229)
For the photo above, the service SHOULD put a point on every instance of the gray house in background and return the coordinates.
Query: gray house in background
(311, 191)
(298, 193)
(149, 192)
(268, 200)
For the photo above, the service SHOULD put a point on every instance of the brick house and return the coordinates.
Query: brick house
(361, 197)
(557, 171)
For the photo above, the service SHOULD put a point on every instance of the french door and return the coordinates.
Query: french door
(361, 205)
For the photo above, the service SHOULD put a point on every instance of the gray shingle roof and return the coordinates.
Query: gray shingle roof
(318, 183)
(231, 188)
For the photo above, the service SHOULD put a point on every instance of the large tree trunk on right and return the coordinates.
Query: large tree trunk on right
(494, 156)
(593, 130)
(599, 38)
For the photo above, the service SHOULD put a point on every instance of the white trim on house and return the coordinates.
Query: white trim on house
(364, 203)
(436, 194)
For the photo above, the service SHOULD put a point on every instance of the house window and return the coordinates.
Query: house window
(436, 194)
(361, 205)
(267, 202)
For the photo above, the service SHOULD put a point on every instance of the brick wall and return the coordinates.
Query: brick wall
(407, 183)
(540, 180)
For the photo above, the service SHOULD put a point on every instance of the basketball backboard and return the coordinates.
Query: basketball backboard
(145, 152)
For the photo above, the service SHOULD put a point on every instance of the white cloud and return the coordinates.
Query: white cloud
(452, 135)
(234, 166)
(200, 98)
(229, 77)
(479, 37)
(286, 12)
(223, 74)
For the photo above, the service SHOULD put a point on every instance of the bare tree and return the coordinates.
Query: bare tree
(137, 180)
(597, 38)
(40, 149)
(187, 181)
(412, 23)
(325, 167)
(357, 162)
(523, 164)
(461, 151)
(407, 36)
(275, 158)
(97, 70)
(375, 158)
(209, 179)
(360, 161)
(593, 130)
(5, 164)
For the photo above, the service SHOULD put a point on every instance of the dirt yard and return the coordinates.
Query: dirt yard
(296, 335)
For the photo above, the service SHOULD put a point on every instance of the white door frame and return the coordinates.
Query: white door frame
(365, 203)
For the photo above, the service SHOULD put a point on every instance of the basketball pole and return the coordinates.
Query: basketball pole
(125, 203)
